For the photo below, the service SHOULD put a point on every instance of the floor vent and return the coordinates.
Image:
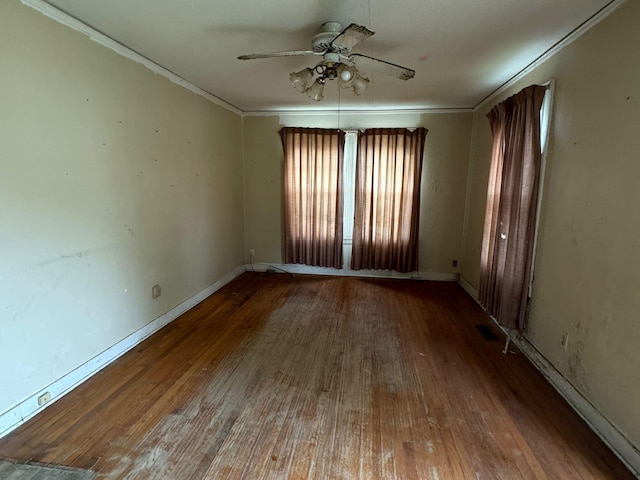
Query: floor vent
(486, 333)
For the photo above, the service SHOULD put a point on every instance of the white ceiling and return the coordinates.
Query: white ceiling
(461, 50)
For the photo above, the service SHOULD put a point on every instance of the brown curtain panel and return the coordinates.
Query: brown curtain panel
(387, 202)
(509, 227)
(313, 196)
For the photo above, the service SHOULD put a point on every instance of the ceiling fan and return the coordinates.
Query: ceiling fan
(334, 45)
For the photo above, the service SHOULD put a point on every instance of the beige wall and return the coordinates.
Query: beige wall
(587, 281)
(443, 182)
(112, 179)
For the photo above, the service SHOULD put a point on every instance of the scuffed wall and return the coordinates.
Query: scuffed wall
(112, 180)
(587, 262)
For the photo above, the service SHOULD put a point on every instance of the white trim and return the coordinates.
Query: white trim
(380, 111)
(470, 289)
(606, 431)
(564, 42)
(66, 19)
(98, 37)
(349, 192)
(20, 413)
(310, 270)
(545, 111)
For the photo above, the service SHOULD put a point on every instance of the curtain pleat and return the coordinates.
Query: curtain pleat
(509, 228)
(387, 201)
(313, 196)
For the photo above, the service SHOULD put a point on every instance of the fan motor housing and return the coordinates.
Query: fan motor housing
(322, 41)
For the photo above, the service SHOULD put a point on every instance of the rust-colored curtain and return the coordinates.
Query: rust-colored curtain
(509, 227)
(387, 202)
(313, 196)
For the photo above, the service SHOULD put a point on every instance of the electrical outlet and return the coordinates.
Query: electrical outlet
(252, 252)
(564, 340)
(44, 398)
(454, 263)
(156, 291)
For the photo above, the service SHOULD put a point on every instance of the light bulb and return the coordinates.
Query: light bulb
(346, 74)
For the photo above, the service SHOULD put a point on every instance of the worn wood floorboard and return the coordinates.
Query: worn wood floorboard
(12, 470)
(279, 376)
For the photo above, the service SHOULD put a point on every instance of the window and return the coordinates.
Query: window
(313, 196)
(512, 194)
(387, 199)
(545, 129)
(381, 174)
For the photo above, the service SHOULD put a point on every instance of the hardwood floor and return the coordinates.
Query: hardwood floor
(280, 376)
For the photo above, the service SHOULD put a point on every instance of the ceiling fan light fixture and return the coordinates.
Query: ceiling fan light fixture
(334, 44)
(359, 84)
(314, 92)
(302, 79)
(346, 75)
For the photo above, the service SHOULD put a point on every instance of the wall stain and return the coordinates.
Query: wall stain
(70, 256)
(576, 370)
(576, 349)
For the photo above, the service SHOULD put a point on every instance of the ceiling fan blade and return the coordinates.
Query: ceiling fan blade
(349, 37)
(381, 66)
(295, 53)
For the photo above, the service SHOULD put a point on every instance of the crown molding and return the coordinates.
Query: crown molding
(576, 33)
(102, 39)
(391, 111)
(71, 22)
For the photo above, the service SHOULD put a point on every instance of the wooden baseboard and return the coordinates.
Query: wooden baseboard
(23, 411)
